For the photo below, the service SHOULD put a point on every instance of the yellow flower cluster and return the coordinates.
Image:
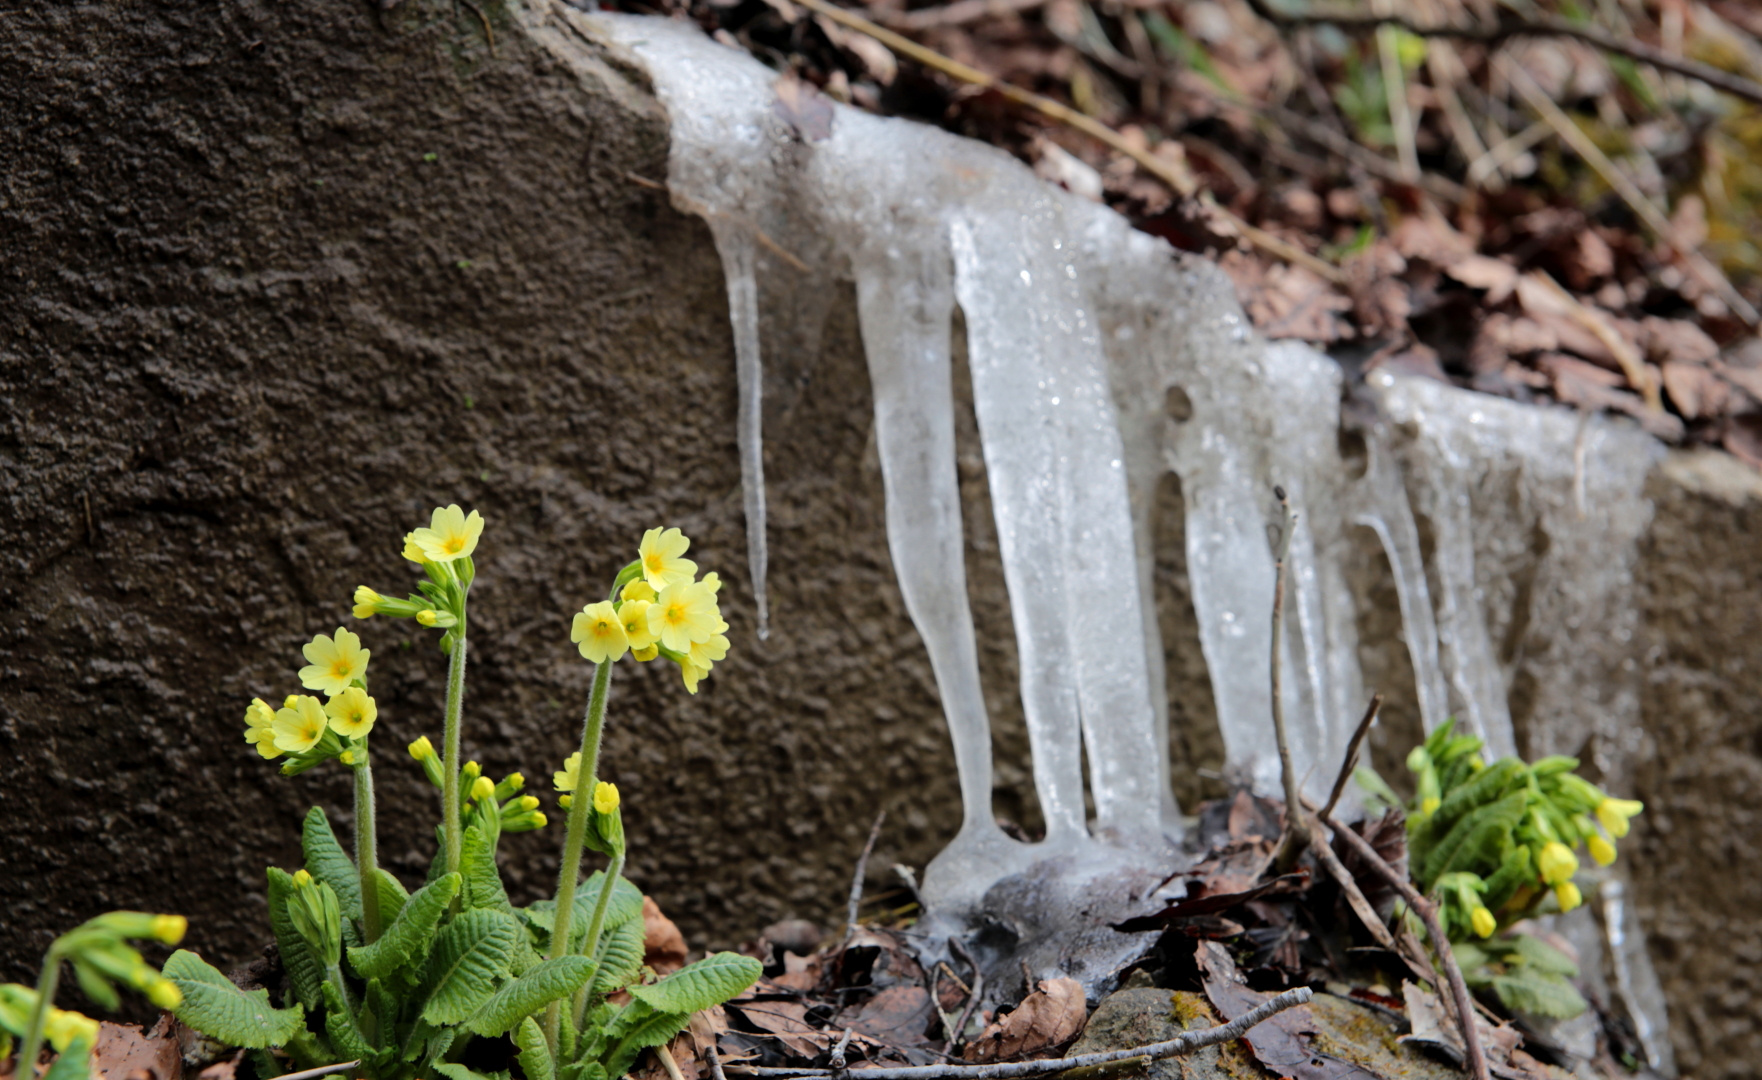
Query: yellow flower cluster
(664, 611)
(334, 666)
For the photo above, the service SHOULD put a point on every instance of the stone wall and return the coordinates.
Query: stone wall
(280, 278)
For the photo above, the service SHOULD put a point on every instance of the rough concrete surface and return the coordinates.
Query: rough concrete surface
(278, 279)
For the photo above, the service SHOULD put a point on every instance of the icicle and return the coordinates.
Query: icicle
(735, 244)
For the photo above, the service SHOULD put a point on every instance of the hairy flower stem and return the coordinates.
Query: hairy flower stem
(450, 753)
(579, 803)
(366, 847)
(25, 1065)
(590, 945)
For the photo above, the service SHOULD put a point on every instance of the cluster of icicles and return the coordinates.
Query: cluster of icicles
(1078, 329)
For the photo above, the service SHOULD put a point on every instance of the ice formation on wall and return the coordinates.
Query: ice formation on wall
(1509, 530)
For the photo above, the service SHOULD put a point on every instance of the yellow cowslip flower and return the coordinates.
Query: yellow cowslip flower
(634, 617)
(692, 675)
(352, 713)
(565, 801)
(1556, 862)
(662, 562)
(683, 614)
(1568, 895)
(705, 653)
(638, 590)
(539, 821)
(302, 878)
(334, 663)
(427, 617)
(450, 534)
(422, 749)
(412, 550)
(471, 770)
(165, 994)
(645, 654)
(347, 757)
(605, 797)
(291, 701)
(260, 727)
(569, 777)
(1484, 922)
(526, 804)
(298, 730)
(599, 634)
(366, 602)
(482, 789)
(713, 582)
(169, 928)
(1430, 804)
(1613, 813)
(62, 1026)
(1601, 850)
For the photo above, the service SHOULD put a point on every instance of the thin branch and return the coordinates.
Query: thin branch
(715, 1061)
(857, 879)
(959, 13)
(1179, 180)
(1512, 25)
(1014, 1070)
(322, 1070)
(1351, 760)
(1644, 208)
(960, 1026)
(1355, 897)
(1428, 913)
(1296, 823)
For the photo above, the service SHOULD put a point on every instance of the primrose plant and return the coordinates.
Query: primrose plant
(409, 984)
(1498, 844)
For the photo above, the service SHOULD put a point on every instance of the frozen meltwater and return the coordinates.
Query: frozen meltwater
(1509, 531)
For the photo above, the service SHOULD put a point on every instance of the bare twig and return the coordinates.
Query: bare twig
(1644, 208)
(1296, 824)
(1428, 913)
(1484, 169)
(1351, 760)
(1178, 178)
(322, 1070)
(715, 1061)
(857, 879)
(959, 13)
(1626, 356)
(1511, 25)
(1014, 1070)
(838, 1052)
(960, 1026)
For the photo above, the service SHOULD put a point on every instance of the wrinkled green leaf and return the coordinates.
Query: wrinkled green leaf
(470, 956)
(707, 983)
(535, 1054)
(545, 983)
(339, 1027)
(1540, 993)
(392, 895)
(406, 941)
(220, 1010)
(305, 973)
(641, 1027)
(483, 882)
(621, 953)
(328, 862)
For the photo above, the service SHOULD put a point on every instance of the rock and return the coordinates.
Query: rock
(1129, 1018)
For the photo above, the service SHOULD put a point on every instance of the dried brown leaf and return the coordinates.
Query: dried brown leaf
(123, 1051)
(1050, 1017)
(663, 946)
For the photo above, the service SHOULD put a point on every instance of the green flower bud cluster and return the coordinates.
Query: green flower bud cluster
(101, 959)
(1498, 842)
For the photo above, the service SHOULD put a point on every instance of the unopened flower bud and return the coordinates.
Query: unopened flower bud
(1601, 850)
(165, 994)
(170, 929)
(483, 788)
(1568, 895)
(366, 602)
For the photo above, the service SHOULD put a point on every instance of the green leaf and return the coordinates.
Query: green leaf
(641, 1027)
(535, 1055)
(621, 953)
(709, 982)
(626, 904)
(74, 1063)
(305, 973)
(454, 1071)
(1541, 956)
(220, 1010)
(328, 862)
(406, 941)
(483, 882)
(392, 895)
(1475, 840)
(1540, 993)
(545, 983)
(339, 1025)
(469, 957)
